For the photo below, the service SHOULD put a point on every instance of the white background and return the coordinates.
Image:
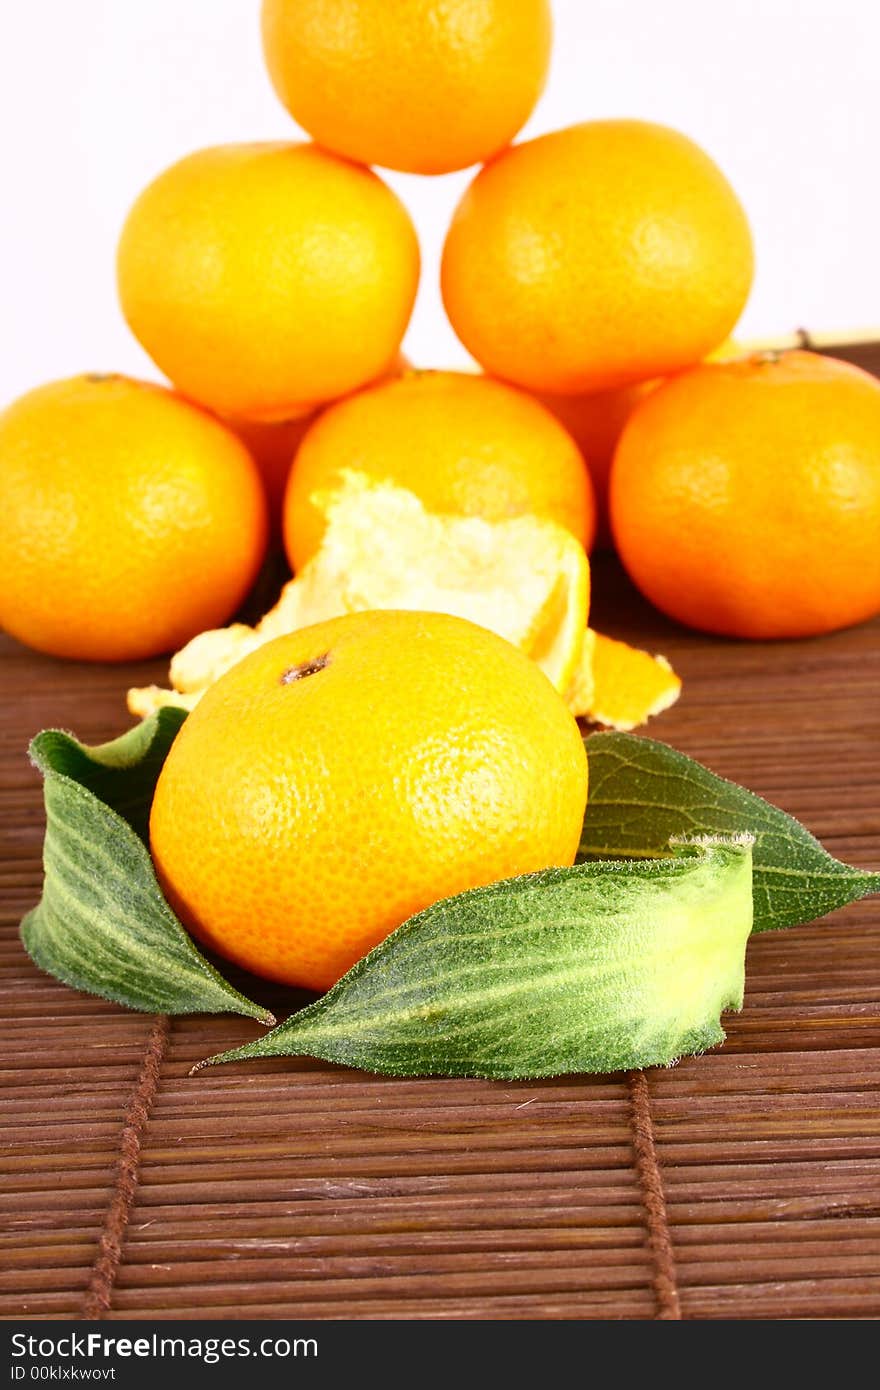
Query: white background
(97, 96)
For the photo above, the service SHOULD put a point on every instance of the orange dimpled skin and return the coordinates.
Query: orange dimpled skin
(745, 496)
(413, 85)
(344, 777)
(267, 279)
(599, 255)
(464, 444)
(130, 519)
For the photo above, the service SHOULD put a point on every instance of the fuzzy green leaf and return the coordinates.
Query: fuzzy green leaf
(123, 774)
(644, 794)
(102, 924)
(599, 967)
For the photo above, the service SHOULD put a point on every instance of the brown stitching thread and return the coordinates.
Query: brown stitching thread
(96, 1301)
(654, 1202)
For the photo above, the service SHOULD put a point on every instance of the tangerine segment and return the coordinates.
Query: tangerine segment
(342, 778)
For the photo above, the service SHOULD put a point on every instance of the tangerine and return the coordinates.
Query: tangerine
(745, 496)
(599, 255)
(131, 519)
(344, 777)
(416, 86)
(266, 279)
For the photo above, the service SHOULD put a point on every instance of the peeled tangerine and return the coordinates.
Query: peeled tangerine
(526, 579)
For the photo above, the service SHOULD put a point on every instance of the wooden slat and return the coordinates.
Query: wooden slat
(296, 1189)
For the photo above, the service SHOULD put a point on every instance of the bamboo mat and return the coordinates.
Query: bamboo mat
(742, 1184)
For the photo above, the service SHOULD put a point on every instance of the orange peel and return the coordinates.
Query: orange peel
(620, 686)
(526, 579)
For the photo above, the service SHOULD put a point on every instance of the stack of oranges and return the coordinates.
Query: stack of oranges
(339, 778)
(591, 272)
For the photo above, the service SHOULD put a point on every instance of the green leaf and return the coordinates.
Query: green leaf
(643, 794)
(598, 967)
(102, 924)
(122, 774)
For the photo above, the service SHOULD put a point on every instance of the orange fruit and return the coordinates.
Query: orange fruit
(595, 422)
(417, 86)
(464, 444)
(599, 255)
(266, 279)
(342, 778)
(130, 519)
(745, 496)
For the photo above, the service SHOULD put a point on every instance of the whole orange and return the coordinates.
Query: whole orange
(342, 778)
(464, 444)
(266, 279)
(745, 496)
(415, 85)
(130, 519)
(599, 255)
